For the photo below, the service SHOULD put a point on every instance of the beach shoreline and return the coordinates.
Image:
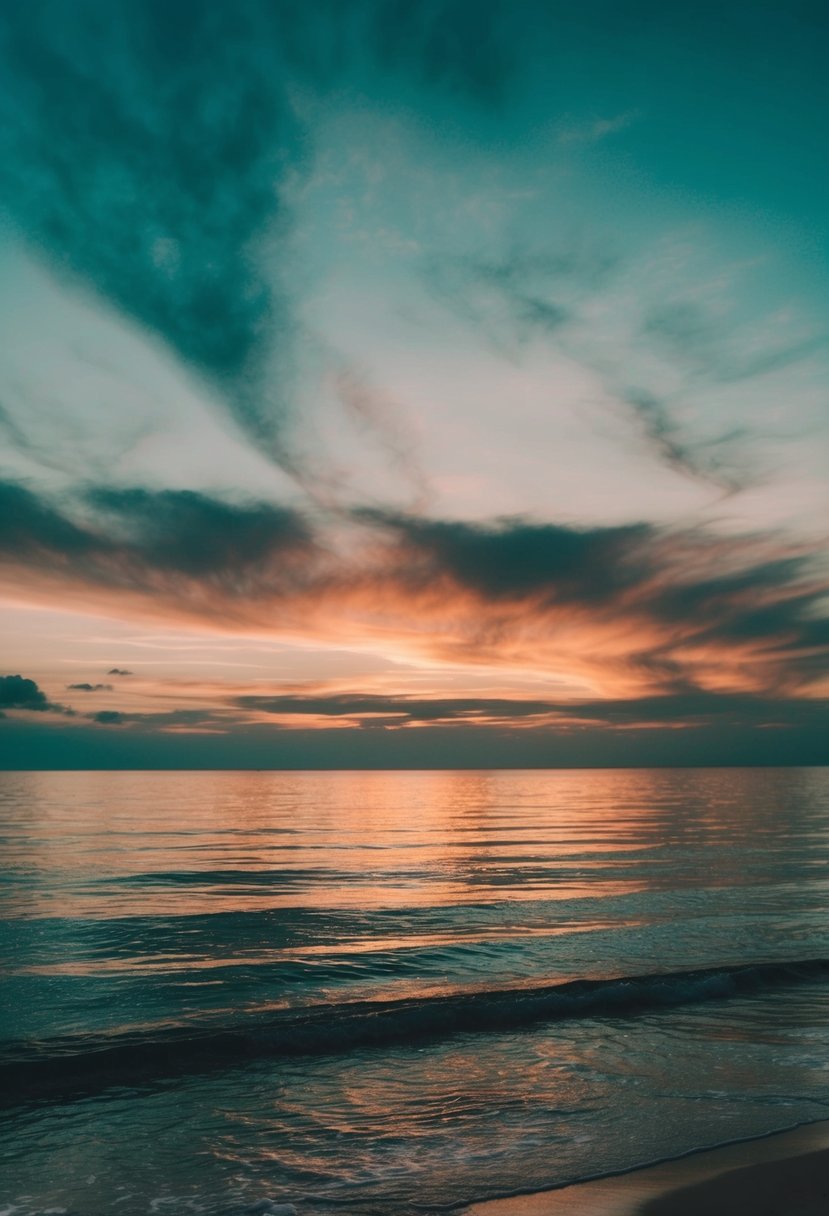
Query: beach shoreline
(763, 1176)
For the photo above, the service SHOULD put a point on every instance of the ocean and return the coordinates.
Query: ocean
(388, 993)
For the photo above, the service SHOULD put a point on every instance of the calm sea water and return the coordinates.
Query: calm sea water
(389, 993)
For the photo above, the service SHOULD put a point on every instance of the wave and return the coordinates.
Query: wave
(33, 1069)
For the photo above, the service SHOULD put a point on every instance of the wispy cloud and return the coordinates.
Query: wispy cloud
(151, 155)
(691, 709)
(594, 130)
(716, 351)
(710, 460)
(145, 156)
(376, 413)
(660, 345)
(190, 720)
(134, 533)
(628, 610)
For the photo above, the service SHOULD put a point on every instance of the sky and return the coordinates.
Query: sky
(414, 384)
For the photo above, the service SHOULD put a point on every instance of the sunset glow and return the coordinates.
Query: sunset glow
(396, 392)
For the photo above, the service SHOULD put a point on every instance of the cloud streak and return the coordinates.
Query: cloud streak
(195, 720)
(691, 709)
(523, 299)
(167, 540)
(701, 460)
(641, 603)
(624, 611)
(145, 157)
(657, 352)
(150, 154)
(305, 712)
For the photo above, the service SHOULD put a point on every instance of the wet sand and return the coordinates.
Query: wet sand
(781, 1175)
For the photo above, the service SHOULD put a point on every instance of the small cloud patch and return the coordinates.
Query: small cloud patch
(18, 692)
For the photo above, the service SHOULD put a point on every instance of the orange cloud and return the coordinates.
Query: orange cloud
(612, 613)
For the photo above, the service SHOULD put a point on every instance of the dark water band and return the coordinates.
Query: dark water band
(66, 1067)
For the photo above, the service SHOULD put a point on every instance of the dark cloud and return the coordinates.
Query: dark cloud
(145, 153)
(392, 709)
(689, 590)
(90, 687)
(516, 558)
(31, 526)
(148, 150)
(770, 604)
(193, 534)
(164, 720)
(691, 708)
(144, 540)
(638, 604)
(18, 692)
(118, 671)
(698, 708)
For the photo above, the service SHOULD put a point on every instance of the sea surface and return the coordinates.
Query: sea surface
(388, 993)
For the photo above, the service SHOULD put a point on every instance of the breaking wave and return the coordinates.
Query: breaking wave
(32, 1069)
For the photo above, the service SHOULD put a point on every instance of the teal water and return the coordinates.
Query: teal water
(399, 992)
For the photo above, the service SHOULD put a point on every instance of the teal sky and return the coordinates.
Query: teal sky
(419, 383)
